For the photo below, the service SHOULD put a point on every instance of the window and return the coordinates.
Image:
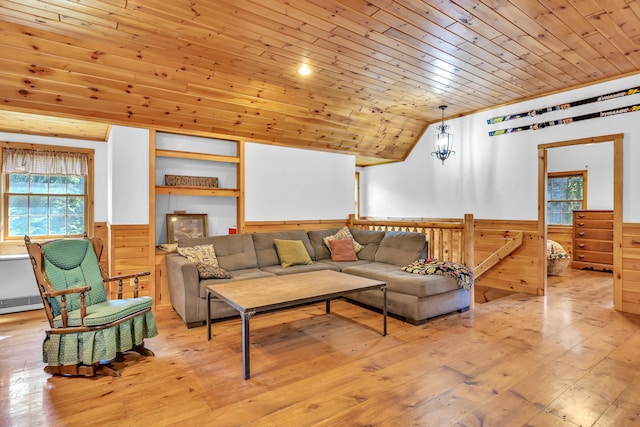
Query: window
(45, 192)
(566, 192)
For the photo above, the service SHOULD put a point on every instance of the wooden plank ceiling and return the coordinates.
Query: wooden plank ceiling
(380, 68)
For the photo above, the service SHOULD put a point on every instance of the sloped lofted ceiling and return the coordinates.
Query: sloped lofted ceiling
(380, 68)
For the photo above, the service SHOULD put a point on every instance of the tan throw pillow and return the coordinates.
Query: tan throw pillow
(343, 234)
(200, 254)
(208, 271)
(342, 250)
(292, 252)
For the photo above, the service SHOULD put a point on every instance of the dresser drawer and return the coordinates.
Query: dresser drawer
(593, 223)
(593, 234)
(595, 257)
(593, 245)
(604, 215)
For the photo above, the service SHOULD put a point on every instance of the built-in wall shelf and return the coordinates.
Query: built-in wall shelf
(197, 156)
(190, 191)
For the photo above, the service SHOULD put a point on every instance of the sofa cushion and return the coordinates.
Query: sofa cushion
(317, 242)
(265, 248)
(343, 234)
(341, 265)
(292, 252)
(235, 252)
(401, 248)
(420, 285)
(370, 241)
(342, 250)
(314, 266)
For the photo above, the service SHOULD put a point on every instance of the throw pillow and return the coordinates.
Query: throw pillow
(342, 250)
(292, 252)
(555, 250)
(343, 234)
(201, 253)
(208, 271)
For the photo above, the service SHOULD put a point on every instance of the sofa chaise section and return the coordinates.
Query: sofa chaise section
(413, 297)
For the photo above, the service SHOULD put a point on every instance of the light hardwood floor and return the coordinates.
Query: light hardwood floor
(567, 359)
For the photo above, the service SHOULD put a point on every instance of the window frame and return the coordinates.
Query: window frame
(89, 188)
(357, 203)
(566, 174)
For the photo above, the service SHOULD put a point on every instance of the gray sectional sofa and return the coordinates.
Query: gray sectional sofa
(412, 297)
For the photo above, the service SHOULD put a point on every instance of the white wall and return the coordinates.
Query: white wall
(496, 177)
(128, 176)
(597, 160)
(295, 184)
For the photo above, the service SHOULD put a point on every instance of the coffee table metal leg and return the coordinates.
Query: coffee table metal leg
(246, 356)
(384, 309)
(209, 316)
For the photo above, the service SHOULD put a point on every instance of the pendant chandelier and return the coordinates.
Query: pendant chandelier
(442, 141)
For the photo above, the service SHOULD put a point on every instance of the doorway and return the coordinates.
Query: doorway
(617, 140)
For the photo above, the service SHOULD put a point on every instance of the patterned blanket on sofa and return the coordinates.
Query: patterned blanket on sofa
(462, 275)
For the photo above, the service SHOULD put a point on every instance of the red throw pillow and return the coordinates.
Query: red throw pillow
(342, 250)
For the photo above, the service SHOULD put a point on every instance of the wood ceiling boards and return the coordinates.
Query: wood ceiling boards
(380, 68)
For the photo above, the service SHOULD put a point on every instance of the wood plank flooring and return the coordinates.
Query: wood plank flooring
(568, 359)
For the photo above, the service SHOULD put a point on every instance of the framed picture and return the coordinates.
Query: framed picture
(180, 226)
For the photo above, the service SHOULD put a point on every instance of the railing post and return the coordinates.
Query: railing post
(468, 251)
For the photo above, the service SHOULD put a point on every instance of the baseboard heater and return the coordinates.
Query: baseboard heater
(12, 305)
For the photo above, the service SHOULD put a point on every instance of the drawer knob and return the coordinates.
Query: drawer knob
(581, 245)
(581, 233)
(581, 256)
(580, 215)
(581, 224)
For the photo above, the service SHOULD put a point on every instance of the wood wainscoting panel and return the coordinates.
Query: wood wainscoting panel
(266, 226)
(161, 294)
(129, 253)
(631, 268)
(518, 272)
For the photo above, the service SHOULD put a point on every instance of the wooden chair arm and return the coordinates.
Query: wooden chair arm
(67, 291)
(64, 314)
(133, 276)
(127, 276)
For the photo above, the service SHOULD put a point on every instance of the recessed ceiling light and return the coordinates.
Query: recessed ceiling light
(304, 70)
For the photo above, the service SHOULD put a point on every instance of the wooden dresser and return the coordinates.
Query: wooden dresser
(593, 240)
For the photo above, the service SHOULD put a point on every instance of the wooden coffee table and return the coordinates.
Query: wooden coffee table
(269, 293)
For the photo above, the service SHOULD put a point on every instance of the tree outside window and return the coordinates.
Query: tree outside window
(566, 192)
(45, 205)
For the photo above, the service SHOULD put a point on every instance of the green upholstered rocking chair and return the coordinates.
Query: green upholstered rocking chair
(87, 330)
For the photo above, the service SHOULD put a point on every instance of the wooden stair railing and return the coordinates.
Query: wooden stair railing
(500, 254)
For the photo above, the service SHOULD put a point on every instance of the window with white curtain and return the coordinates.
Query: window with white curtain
(45, 192)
